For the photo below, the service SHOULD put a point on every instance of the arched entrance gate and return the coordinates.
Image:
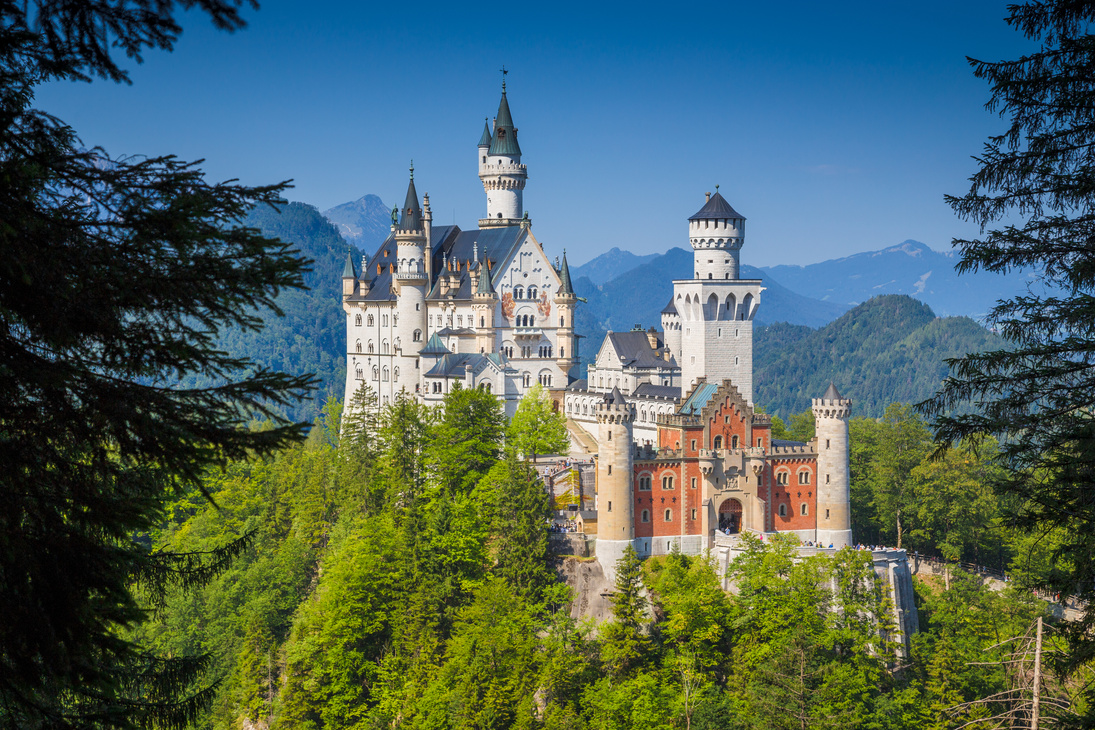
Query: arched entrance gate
(730, 516)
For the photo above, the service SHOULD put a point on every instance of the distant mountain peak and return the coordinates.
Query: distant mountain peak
(364, 222)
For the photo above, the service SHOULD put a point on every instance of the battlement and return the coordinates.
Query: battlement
(804, 450)
(832, 407)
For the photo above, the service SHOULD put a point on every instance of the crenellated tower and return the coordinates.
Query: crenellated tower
(834, 514)
(501, 170)
(484, 305)
(410, 282)
(716, 307)
(615, 507)
(566, 340)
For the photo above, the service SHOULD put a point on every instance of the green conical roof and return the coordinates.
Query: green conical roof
(434, 346)
(412, 214)
(504, 141)
(564, 274)
(484, 140)
(348, 270)
(486, 286)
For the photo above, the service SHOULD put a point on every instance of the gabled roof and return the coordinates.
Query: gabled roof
(505, 134)
(484, 140)
(716, 209)
(348, 271)
(411, 219)
(454, 365)
(564, 274)
(434, 346)
(832, 393)
(633, 349)
(670, 308)
(615, 397)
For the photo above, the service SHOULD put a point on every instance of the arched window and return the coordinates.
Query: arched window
(718, 443)
(369, 320)
(532, 292)
(518, 292)
(733, 442)
(376, 373)
(667, 481)
(417, 336)
(804, 477)
(783, 510)
(646, 515)
(805, 509)
(487, 386)
(370, 347)
(358, 345)
(482, 321)
(396, 371)
(360, 374)
(669, 515)
(782, 477)
(384, 347)
(560, 321)
(644, 483)
(531, 321)
(357, 320)
(384, 374)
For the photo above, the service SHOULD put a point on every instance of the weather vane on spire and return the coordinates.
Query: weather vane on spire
(504, 72)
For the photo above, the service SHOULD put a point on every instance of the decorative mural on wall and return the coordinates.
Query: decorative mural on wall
(544, 305)
(508, 305)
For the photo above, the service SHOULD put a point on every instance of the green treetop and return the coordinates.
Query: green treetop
(536, 428)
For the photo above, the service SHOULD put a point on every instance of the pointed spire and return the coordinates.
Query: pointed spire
(564, 273)
(832, 393)
(484, 140)
(486, 286)
(504, 140)
(348, 270)
(412, 214)
(615, 397)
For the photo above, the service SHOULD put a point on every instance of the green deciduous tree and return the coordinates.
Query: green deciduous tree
(536, 428)
(904, 441)
(467, 440)
(116, 278)
(1032, 197)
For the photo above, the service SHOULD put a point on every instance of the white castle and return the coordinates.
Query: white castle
(438, 305)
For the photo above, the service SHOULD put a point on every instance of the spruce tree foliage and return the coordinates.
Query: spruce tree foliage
(1032, 197)
(624, 640)
(117, 276)
(537, 428)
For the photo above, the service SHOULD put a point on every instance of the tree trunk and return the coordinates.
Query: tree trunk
(899, 528)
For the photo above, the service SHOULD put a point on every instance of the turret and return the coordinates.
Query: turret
(615, 508)
(349, 276)
(484, 305)
(716, 233)
(410, 282)
(501, 171)
(834, 514)
(567, 341)
(671, 329)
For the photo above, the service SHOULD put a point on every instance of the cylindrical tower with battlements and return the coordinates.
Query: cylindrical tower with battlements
(615, 509)
(501, 171)
(834, 509)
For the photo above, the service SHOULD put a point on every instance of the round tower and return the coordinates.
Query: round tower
(716, 233)
(410, 286)
(834, 512)
(501, 170)
(484, 304)
(671, 329)
(615, 508)
(566, 341)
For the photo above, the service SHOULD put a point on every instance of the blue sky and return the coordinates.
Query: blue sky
(834, 128)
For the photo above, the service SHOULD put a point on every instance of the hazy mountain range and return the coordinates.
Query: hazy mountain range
(364, 222)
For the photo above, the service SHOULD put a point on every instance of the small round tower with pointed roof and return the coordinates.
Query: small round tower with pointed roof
(834, 511)
(566, 340)
(484, 304)
(501, 170)
(716, 233)
(615, 508)
(410, 282)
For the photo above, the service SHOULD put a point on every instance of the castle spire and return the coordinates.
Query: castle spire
(504, 140)
(412, 213)
(348, 270)
(564, 274)
(484, 139)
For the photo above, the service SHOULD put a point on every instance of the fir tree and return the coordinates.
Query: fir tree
(1033, 198)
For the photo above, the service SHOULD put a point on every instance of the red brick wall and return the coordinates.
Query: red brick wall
(793, 494)
(658, 499)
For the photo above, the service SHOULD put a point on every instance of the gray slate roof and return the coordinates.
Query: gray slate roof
(832, 393)
(783, 443)
(454, 365)
(412, 214)
(670, 308)
(716, 209)
(486, 283)
(615, 397)
(648, 390)
(564, 273)
(580, 384)
(633, 349)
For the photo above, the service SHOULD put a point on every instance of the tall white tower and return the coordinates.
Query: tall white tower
(716, 308)
(501, 170)
(834, 513)
(411, 280)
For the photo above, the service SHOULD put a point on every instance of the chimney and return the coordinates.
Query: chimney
(707, 197)
(652, 337)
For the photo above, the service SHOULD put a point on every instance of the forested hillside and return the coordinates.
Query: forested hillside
(311, 337)
(888, 349)
(404, 581)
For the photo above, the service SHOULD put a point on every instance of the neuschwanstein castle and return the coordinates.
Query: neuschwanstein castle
(683, 456)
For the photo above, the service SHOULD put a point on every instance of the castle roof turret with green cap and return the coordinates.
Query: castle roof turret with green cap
(484, 139)
(504, 139)
(565, 286)
(348, 271)
(485, 286)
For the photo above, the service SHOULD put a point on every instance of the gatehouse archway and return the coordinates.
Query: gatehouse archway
(730, 516)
